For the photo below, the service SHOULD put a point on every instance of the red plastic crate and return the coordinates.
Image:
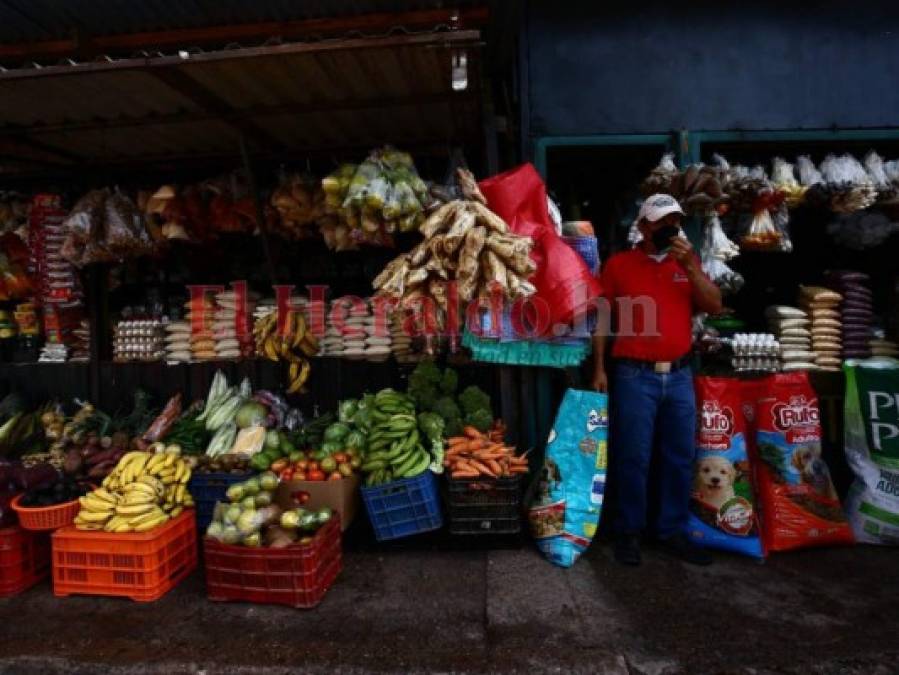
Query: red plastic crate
(24, 559)
(142, 566)
(297, 576)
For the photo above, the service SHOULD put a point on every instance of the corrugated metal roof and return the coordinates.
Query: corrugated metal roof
(394, 90)
(38, 20)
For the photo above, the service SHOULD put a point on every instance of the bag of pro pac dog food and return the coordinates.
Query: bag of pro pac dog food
(566, 508)
(799, 505)
(722, 506)
(871, 435)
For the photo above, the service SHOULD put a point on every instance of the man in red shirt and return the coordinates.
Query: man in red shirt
(653, 290)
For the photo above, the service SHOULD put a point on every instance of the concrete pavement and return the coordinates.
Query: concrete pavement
(825, 611)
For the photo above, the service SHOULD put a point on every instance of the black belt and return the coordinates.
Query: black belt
(658, 366)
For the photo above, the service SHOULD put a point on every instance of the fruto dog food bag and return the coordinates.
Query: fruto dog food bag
(871, 435)
(565, 512)
(722, 508)
(799, 505)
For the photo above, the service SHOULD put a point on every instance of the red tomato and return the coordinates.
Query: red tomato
(301, 465)
(304, 497)
(335, 475)
(315, 474)
(299, 475)
(279, 465)
(287, 474)
(312, 466)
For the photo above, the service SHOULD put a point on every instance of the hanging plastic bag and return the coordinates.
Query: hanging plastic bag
(565, 287)
(764, 234)
(850, 187)
(570, 491)
(784, 178)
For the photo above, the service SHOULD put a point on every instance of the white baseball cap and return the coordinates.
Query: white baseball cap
(658, 206)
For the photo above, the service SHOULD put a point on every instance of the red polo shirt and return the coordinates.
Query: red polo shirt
(662, 299)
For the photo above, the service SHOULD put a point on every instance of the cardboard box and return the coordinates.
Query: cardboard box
(340, 495)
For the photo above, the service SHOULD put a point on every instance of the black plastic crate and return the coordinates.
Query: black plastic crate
(485, 505)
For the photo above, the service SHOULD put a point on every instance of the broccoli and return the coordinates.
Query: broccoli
(449, 382)
(481, 419)
(446, 407)
(453, 427)
(424, 385)
(431, 425)
(473, 399)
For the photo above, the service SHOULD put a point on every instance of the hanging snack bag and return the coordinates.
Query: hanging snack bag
(570, 488)
(871, 433)
(722, 507)
(799, 504)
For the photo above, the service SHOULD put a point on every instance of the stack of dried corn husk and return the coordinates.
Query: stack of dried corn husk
(465, 242)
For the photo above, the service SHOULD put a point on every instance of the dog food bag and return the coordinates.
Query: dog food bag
(871, 434)
(798, 503)
(569, 498)
(722, 508)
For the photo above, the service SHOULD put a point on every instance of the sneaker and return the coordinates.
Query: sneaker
(627, 550)
(681, 547)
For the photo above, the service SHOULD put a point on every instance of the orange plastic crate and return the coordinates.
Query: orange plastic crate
(46, 518)
(141, 566)
(24, 559)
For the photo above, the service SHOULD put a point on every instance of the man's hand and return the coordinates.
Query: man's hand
(682, 251)
(600, 381)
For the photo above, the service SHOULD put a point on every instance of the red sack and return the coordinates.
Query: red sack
(564, 283)
(799, 504)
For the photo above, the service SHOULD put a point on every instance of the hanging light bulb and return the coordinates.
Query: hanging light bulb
(460, 71)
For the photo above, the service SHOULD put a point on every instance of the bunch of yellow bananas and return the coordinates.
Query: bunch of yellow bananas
(143, 491)
(295, 343)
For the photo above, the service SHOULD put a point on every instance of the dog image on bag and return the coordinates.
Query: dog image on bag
(714, 481)
(813, 470)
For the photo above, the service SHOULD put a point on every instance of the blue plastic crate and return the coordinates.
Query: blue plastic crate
(209, 488)
(404, 507)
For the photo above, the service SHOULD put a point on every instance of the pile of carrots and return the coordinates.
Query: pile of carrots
(477, 454)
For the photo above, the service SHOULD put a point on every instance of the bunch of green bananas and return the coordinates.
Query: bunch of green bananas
(292, 342)
(394, 448)
(142, 492)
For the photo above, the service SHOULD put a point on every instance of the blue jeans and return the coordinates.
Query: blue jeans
(647, 405)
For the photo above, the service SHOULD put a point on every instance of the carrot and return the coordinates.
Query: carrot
(471, 432)
(464, 474)
(518, 469)
(494, 465)
(457, 441)
(482, 468)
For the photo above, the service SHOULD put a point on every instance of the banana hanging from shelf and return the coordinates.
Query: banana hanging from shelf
(295, 344)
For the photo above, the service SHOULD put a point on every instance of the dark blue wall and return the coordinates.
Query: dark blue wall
(599, 67)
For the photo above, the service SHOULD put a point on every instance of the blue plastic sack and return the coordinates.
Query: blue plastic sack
(565, 512)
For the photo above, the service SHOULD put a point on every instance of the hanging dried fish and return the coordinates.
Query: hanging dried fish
(489, 219)
(465, 221)
(416, 276)
(418, 255)
(435, 267)
(441, 219)
(389, 270)
(470, 186)
(494, 270)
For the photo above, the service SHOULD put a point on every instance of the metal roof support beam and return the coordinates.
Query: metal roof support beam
(288, 30)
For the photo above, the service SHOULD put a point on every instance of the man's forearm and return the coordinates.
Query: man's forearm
(706, 295)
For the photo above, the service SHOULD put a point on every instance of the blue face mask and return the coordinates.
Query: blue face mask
(662, 237)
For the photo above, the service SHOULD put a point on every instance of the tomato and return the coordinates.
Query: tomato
(336, 476)
(302, 465)
(340, 457)
(299, 475)
(287, 474)
(315, 474)
(279, 465)
(304, 497)
(313, 466)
